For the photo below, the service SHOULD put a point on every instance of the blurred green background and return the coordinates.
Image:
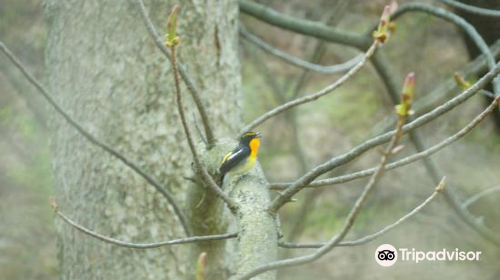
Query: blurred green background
(328, 127)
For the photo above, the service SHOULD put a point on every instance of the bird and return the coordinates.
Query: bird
(242, 159)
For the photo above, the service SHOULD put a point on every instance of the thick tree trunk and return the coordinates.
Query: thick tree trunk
(103, 67)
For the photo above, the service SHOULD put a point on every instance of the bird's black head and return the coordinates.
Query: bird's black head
(247, 137)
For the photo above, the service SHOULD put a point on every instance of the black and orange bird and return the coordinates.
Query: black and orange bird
(242, 159)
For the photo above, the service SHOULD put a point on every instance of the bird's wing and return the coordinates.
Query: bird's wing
(233, 158)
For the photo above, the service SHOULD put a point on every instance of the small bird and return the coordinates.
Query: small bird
(242, 159)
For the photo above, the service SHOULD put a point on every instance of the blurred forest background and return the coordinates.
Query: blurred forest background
(359, 109)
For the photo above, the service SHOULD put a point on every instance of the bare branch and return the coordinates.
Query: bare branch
(356, 209)
(472, 9)
(375, 235)
(460, 22)
(407, 160)
(302, 26)
(199, 164)
(193, 239)
(471, 200)
(330, 34)
(373, 142)
(382, 66)
(267, 75)
(432, 168)
(332, 69)
(446, 89)
(333, 18)
(193, 90)
(314, 96)
(91, 138)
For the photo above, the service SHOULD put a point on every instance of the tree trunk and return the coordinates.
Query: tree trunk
(103, 67)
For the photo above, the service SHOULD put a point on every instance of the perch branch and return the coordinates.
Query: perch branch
(379, 233)
(91, 138)
(192, 239)
(193, 90)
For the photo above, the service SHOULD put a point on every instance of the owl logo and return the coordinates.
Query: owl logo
(386, 255)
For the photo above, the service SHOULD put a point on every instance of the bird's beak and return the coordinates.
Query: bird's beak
(258, 135)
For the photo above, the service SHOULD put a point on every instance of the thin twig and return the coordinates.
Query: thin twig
(266, 73)
(460, 22)
(200, 166)
(192, 239)
(407, 160)
(373, 236)
(333, 18)
(193, 90)
(446, 89)
(332, 69)
(308, 202)
(472, 9)
(434, 170)
(348, 222)
(471, 200)
(329, 165)
(416, 138)
(314, 96)
(163, 190)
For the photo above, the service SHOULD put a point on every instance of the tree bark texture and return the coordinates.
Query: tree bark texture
(105, 70)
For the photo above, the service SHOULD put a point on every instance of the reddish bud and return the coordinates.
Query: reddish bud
(382, 32)
(404, 108)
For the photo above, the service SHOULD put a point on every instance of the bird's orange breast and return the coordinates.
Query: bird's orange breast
(254, 147)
